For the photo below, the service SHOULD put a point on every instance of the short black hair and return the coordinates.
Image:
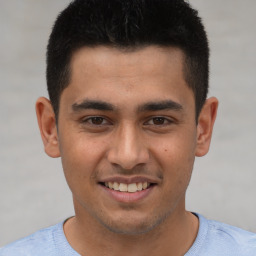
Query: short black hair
(128, 24)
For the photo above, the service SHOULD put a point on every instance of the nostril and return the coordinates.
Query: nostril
(128, 152)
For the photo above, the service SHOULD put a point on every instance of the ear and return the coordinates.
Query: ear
(47, 125)
(205, 124)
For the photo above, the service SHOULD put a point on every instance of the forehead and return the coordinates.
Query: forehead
(137, 76)
(109, 61)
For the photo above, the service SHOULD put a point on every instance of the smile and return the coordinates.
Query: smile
(123, 187)
(128, 190)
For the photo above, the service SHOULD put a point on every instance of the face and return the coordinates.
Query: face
(127, 136)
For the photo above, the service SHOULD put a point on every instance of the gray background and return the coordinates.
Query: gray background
(33, 192)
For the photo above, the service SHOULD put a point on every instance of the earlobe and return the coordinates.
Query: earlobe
(47, 126)
(205, 124)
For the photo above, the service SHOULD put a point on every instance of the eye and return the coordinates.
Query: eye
(96, 120)
(159, 120)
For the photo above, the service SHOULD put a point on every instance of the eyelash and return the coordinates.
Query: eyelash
(105, 121)
(89, 120)
(166, 121)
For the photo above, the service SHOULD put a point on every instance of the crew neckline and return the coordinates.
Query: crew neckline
(65, 249)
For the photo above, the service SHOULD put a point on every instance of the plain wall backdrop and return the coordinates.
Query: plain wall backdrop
(33, 191)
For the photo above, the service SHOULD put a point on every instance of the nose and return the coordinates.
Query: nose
(128, 149)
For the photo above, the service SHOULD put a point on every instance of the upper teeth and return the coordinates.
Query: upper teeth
(133, 187)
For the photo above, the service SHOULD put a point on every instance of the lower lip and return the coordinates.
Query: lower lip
(127, 197)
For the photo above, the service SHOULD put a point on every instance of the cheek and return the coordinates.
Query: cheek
(175, 156)
(175, 150)
(81, 158)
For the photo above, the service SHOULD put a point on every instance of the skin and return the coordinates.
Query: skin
(125, 116)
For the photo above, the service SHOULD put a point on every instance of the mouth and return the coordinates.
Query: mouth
(127, 187)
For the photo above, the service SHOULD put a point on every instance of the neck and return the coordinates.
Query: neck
(172, 237)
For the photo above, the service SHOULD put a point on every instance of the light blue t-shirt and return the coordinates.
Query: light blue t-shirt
(213, 239)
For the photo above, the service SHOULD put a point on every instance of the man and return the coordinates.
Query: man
(128, 113)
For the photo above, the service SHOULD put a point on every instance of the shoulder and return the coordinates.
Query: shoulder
(216, 238)
(239, 240)
(40, 243)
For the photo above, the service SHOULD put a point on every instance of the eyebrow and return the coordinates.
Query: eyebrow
(105, 106)
(161, 105)
(92, 104)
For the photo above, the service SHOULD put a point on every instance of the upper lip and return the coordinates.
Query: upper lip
(130, 180)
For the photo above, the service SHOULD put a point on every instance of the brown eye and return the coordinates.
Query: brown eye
(97, 120)
(159, 120)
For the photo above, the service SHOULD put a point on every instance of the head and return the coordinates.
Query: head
(128, 25)
(128, 82)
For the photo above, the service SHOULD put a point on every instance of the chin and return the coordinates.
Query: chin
(132, 226)
(129, 229)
